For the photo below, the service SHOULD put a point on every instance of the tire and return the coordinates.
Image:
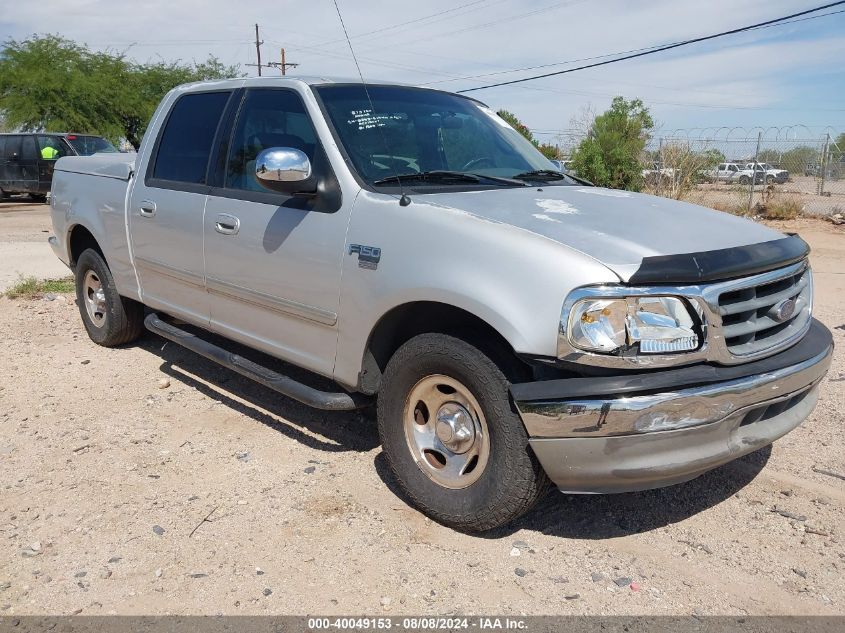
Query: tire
(770, 180)
(109, 319)
(506, 480)
(744, 180)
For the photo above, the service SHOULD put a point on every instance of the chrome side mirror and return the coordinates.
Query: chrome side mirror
(284, 169)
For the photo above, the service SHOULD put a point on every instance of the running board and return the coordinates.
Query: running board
(326, 400)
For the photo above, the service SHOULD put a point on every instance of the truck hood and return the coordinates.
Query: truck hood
(616, 228)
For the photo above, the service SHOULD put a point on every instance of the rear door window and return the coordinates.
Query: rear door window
(51, 147)
(185, 144)
(29, 148)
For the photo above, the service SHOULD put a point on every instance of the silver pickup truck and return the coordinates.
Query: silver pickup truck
(516, 327)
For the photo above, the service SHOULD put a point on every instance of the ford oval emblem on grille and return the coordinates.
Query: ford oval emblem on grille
(784, 310)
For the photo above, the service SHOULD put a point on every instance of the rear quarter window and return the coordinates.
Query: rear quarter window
(13, 146)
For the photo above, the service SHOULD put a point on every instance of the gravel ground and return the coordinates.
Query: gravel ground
(145, 480)
(24, 228)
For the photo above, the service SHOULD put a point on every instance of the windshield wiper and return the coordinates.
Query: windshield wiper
(443, 176)
(438, 176)
(543, 175)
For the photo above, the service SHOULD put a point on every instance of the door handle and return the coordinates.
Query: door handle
(227, 224)
(148, 209)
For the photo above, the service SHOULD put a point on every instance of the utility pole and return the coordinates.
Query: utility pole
(258, 44)
(282, 65)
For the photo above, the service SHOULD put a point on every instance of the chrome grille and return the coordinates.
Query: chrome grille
(754, 317)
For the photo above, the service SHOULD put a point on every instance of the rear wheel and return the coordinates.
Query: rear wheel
(744, 180)
(452, 438)
(109, 319)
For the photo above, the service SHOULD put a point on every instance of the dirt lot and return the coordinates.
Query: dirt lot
(24, 228)
(801, 189)
(147, 480)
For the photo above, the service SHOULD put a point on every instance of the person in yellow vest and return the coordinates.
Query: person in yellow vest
(49, 151)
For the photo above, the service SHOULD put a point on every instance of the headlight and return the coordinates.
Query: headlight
(654, 325)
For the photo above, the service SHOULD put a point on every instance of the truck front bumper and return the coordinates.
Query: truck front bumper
(635, 432)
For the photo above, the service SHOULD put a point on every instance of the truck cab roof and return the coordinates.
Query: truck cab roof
(308, 80)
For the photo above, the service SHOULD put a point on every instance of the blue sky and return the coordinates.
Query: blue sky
(783, 76)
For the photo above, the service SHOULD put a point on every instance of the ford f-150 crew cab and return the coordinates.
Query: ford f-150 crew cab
(515, 326)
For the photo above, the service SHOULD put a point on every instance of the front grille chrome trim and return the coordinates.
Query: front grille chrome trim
(705, 301)
(755, 327)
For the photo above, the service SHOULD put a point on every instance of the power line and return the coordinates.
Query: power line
(584, 93)
(660, 48)
(635, 50)
(509, 18)
(423, 18)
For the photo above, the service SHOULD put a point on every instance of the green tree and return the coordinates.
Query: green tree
(547, 149)
(712, 157)
(49, 83)
(516, 124)
(610, 155)
(796, 160)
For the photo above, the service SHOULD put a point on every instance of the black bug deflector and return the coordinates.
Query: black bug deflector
(326, 400)
(722, 264)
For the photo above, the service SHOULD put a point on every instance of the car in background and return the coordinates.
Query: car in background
(769, 174)
(563, 166)
(658, 173)
(732, 173)
(27, 159)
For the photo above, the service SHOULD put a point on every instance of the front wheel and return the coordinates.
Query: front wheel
(744, 180)
(109, 319)
(452, 438)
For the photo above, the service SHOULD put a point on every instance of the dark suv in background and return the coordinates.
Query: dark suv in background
(27, 160)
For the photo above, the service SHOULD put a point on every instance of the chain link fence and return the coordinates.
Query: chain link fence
(778, 172)
(770, 177)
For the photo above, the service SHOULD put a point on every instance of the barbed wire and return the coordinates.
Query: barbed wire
(787, 133)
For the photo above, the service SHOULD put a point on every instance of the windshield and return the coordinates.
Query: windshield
(88, 145)
(417, 131)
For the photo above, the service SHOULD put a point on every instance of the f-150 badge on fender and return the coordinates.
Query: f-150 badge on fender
(368, 256)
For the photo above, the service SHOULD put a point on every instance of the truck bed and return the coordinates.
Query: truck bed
(118, 166)
(94, 189)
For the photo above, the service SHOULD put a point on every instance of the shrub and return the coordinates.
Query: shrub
(32, 288)
(786, 209)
